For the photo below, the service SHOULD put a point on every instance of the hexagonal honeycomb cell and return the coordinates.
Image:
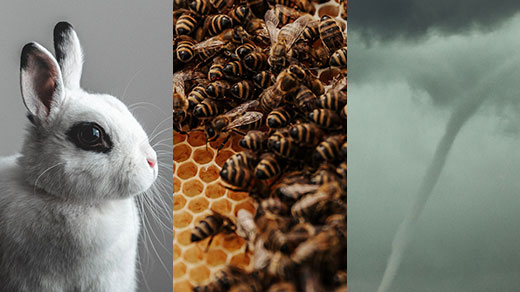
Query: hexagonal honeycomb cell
(198, 191)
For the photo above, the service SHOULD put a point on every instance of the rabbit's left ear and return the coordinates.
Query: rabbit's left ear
(40, 81)
(69, 54)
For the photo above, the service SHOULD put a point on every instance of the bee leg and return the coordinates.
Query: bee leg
(238, 132)
(223, 143)
(209, 242)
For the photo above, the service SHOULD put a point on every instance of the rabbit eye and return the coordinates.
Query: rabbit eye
(90, 136)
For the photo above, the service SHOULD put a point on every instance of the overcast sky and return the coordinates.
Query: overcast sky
(411, 65)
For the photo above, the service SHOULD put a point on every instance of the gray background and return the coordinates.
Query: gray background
(127, 46)
(411, 63)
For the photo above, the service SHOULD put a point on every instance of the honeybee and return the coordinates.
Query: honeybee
(305, 99)
(243, 90)
(285, 13)
(306, 5)
(225, 40)
(216, 71)
(270, 98)
(238, 176)
(320, 243)
(202, 7)
(233, 69)
(242, 50)
(268, 167)
(218, 89)
(281, 266)
(316, 86)
(254, 141)
(334, 99)
(278, 134)
(279, 117)
(246, 226)
(263, 79)
(186, 24)
(317, 207)
(339, 58)
(324, 174)
(330, 148)
(294, 191)
(207, 108)
(284, 147)
(290, 79)
(210, 226)
(215, 24)
(197, 95)
(326, 118)
(274, 206)
(185, 48)
(257, 28)
(331, 34)
(255, 61)
(298, 234)
(239, 118)
(180, 103)
(241, 159)
(271, 229)
(210, 47)
(239, 14)
(308, 134)
(224, 279)
(311, 32)
(282, 39)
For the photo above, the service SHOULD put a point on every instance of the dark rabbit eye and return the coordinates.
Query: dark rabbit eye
(90, 136)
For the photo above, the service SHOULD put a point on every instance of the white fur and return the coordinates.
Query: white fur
(68, 220)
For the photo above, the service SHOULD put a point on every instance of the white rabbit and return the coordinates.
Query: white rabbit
(68, 220)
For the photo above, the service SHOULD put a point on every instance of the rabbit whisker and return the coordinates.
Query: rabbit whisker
(38, 178)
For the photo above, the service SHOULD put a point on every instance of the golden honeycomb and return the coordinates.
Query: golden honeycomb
(196, 192)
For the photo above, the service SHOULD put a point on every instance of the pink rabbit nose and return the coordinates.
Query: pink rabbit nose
(151, 162)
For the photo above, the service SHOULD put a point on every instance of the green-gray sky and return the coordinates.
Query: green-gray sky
(406, 79)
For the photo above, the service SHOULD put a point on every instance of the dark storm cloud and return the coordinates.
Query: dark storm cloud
(445, 68)
(412, 19)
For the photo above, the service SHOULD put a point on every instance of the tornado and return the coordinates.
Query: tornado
(462, 113)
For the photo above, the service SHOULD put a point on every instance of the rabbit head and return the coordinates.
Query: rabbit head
(80, 146)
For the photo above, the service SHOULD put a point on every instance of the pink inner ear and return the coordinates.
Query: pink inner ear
(44, 81)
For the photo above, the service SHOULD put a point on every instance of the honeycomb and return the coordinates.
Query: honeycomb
(196, 193)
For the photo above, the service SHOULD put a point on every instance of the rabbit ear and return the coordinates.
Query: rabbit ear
(69, 54)
(40, 80)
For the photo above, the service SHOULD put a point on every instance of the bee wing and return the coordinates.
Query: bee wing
(242, 108)
(288, 11)
(301, 188)
(246, 119)
(295, 29)
(271, 24)
(210, 43)
(178, 81)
